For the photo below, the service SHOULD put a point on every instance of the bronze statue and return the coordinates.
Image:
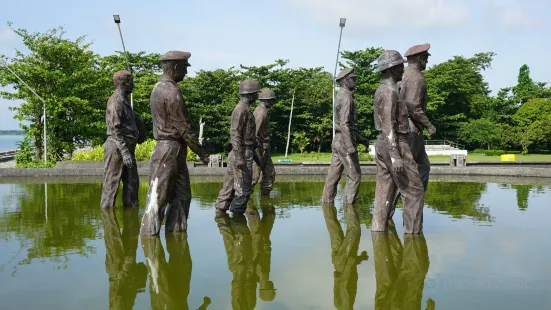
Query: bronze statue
(395, 165)
(169, 281)
(126, 277)
(267, 100)
(413, 91)
(169, 182)
(345, 156)
(400, 271)
(122, 135)
(237, 186)
(344, 254)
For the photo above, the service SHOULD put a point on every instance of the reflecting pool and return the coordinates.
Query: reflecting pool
(486, 246)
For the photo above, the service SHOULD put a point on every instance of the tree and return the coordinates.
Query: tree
(212, 96)
(527, 89)
(457, 92)
(301, 141)
(481, 132)
(533, 123)
(68, 76)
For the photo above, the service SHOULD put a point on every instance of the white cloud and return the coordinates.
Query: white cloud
(373, 16)
(515, 17)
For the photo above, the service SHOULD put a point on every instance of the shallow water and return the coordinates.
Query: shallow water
(486, 246)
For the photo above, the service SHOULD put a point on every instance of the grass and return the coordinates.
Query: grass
(479, 157)
(312, 157)
(326, 157)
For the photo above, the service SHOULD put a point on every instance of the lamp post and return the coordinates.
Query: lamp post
(43, 106)
(342, 23)
(117, 20)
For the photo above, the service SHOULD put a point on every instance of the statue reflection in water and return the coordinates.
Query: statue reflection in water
(248, 248)
(169, 281)
(344, 254)
(400, 271)
(126, 277)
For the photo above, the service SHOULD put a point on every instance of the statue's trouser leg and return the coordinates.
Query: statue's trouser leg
(112, 173)
(385, 188)
(227, 192)
(421, 158)
(353, 172)
(268, 175)
(417, 148)
(163, 169)
(242, 183)
(179, 198)
(130, 182)
(408, 182)
(333, 178)
(256, 174)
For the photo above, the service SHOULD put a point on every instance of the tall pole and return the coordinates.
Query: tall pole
(289, 130)
(342, 22)
(43, 105)
(118, 22)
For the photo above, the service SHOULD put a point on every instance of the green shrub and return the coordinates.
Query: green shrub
(143, 152)
(490, 152)
(24, 157)
(24, 152)
(363, 153)
(93, 154)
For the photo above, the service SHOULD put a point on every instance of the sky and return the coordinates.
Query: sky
(221, 34)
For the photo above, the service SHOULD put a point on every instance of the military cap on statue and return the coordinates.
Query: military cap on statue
(417, 49)
(176, 56)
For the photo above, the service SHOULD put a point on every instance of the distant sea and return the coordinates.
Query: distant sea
(9, 143)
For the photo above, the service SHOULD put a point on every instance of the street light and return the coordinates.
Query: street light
(117, 20)
(342, 23)
(43, 105)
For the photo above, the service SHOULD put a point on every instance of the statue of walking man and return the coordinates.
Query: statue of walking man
(169, 184)
(267, 100)
(237, 187)
(119, 148)
(396, 167)
(413, 92)
(345, 156)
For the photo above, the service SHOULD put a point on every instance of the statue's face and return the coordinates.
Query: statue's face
(180, 70)
(269, 102)
(128, 84)
(254, 97)
(423, 60)
(397, 72)
(351, 82)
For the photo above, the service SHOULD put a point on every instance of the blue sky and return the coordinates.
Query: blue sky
(220, 34)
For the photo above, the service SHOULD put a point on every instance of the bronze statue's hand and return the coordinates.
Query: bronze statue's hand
(432, 130)
(127, 159)
(398, 165)
(351, 150)
(204, 158)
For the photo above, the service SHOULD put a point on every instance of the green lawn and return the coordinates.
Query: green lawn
(326, 157)
(312, 157)
(479, 157)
